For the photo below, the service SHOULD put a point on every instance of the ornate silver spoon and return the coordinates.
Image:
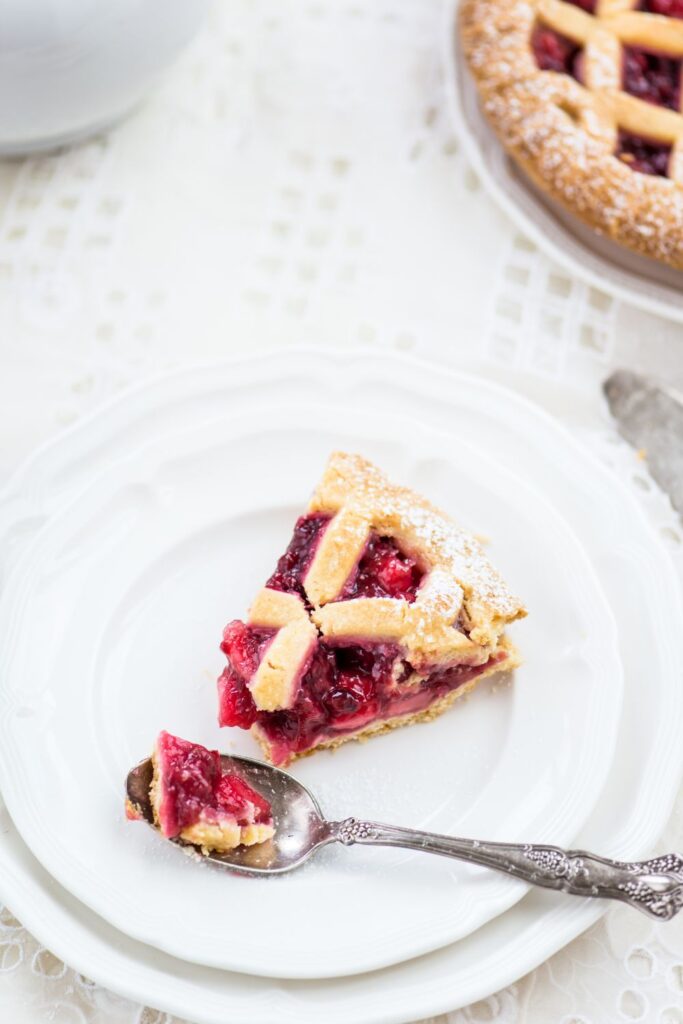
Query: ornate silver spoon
(653, 886)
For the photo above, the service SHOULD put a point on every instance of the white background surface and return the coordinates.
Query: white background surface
(297, 179)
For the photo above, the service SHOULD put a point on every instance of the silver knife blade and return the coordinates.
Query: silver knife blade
(650, 417)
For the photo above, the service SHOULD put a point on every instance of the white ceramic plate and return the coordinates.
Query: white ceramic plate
(641, 586)
(634, 279)
(128, 588)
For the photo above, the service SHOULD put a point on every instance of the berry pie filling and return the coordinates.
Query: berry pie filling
(294, 564)
(384, 571)
(555, 52)
(669, 8)
(644, 155)
(344, 689)
(652, 77)
(194, 799)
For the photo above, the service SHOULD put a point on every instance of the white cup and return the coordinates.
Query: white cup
(71, 67)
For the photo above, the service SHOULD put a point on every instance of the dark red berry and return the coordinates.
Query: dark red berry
(553, 51)
(235, 702)
(669, 8)
(652, 77)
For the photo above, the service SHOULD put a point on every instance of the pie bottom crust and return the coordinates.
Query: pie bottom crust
(512, 662)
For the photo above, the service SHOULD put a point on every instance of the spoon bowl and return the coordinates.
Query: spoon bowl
(300, 826)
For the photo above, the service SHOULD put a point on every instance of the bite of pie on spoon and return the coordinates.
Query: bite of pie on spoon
(380, 613)
(194, 800)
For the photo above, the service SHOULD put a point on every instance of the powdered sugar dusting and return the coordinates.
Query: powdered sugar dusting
(460, 578)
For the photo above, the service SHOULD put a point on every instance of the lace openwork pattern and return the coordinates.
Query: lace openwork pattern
(252, 198)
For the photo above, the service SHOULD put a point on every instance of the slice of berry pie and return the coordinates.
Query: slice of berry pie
(380, 613)
(195, 800)
(586, 96)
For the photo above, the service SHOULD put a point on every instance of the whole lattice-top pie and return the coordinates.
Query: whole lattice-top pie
(380, 613)
(586, 96)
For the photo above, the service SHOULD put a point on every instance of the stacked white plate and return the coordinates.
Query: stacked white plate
(133, 538)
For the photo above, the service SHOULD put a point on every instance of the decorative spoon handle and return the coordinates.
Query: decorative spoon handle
(653, 886)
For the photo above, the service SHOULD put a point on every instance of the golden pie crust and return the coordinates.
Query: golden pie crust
(564, 133)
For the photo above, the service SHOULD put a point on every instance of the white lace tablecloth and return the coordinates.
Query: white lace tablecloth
(296, 180)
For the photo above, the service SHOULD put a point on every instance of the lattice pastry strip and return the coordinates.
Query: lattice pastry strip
(286, 657)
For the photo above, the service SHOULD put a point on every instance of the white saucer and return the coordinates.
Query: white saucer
(643, 593)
